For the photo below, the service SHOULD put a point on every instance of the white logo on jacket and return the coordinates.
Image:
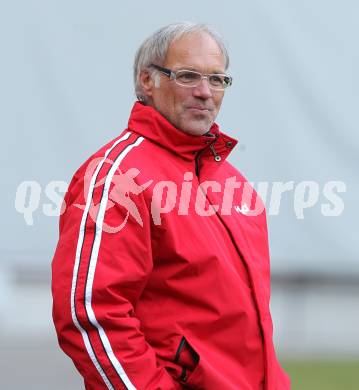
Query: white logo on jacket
(243, 210)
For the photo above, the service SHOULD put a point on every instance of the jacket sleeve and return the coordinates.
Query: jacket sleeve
(101, 265)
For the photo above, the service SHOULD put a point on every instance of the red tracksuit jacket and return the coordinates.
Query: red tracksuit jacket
(161, 272)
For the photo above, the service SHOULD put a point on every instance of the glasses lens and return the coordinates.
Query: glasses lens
(188, 78)
(216, 80)
(219, 81)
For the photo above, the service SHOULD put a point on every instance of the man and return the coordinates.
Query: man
(161, 273)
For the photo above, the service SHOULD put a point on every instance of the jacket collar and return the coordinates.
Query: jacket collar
(149, 123)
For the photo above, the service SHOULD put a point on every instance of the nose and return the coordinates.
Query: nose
(202, 90)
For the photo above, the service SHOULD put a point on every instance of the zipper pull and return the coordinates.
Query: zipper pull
(217, 157)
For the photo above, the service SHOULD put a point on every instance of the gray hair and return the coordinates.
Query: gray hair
(154, 48)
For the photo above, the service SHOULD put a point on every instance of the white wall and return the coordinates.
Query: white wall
(66, 89)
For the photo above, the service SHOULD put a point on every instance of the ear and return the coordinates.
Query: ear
(146, 82)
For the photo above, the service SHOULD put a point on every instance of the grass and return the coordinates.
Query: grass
(323, 375)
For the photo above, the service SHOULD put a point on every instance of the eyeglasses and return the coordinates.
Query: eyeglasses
(190, 78)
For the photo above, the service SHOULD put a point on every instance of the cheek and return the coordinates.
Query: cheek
(218, 100)
(182, 97)
(172, 100)
(218, 103)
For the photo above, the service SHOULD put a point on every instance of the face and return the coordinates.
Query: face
(190, 109)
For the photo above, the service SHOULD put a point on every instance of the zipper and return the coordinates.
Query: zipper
(183, 343)
(179, 349)
(183, 376)
(196, 162)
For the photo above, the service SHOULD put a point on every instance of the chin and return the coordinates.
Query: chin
(196, 130)
(195, 127)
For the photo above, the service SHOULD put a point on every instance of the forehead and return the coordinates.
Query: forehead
(195, 51)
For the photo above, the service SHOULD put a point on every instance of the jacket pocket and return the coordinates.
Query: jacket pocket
(187, 358)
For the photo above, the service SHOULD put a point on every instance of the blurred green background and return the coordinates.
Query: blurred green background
(323, 375)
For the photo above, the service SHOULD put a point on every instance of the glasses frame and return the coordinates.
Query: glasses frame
(173, 76)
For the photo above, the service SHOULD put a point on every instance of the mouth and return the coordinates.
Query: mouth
(198, 108)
